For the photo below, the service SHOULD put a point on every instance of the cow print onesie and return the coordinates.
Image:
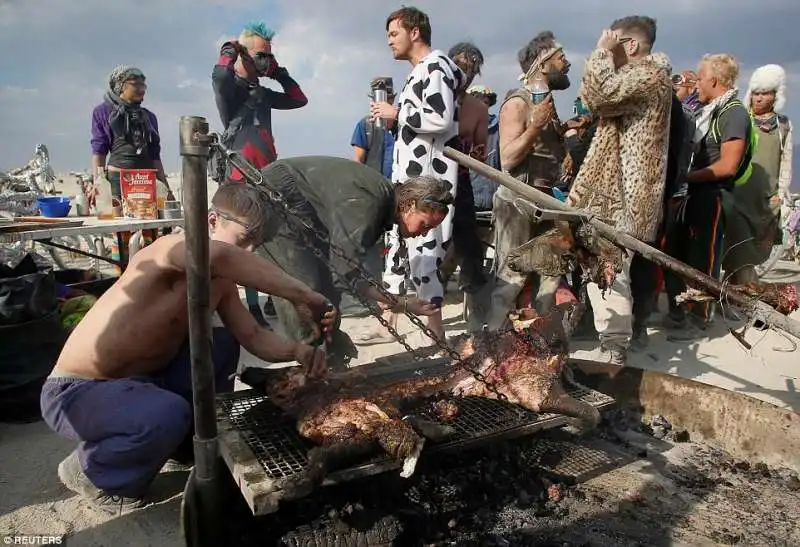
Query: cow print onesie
(427, 123)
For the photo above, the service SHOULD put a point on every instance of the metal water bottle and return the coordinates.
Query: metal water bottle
(380, 96)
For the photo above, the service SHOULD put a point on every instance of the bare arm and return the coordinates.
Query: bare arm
(97, 161)
(482, 131)
(242, 267)
(262, 343)
(359, 154)
(731, 153)
(734, 126)
(517, 133)
(160, 173)
(249, 270)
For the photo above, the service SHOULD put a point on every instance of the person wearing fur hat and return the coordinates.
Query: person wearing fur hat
(766, 98)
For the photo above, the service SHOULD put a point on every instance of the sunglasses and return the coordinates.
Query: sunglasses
(680, 80)
(137, 83)
(249, 231)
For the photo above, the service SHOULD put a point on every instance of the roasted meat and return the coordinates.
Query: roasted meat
(565, 246)
(347, 416)
(781, 296)
(344, 418)
(522, 370)
(348, 426)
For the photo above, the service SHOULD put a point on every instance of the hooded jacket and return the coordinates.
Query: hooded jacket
(623, 175)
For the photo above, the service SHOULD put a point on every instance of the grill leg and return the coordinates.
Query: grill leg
(201, 503)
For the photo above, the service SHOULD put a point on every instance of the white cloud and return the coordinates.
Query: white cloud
(49, 84)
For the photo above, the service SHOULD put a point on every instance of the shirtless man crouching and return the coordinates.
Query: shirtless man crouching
(122, 384)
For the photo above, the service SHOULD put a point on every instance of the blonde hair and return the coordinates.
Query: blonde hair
(723, 66)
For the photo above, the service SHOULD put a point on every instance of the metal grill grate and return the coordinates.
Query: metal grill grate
(281, 451)
(570, 459)
(269, 433)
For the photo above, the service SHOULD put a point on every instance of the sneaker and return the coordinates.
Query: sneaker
(613, 355)
(613, 358)
(177, 466)
(73, 477)
(682, 330)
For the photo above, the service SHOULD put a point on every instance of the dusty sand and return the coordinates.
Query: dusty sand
(32, 501)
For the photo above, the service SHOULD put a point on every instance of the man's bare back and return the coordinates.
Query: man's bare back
(473, 126)
(140, 323)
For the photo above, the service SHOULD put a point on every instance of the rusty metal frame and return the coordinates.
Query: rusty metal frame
(263, 491)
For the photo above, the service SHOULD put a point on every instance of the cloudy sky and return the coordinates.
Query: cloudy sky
(57, 54)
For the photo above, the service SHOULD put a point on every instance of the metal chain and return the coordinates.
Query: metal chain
(252, 175)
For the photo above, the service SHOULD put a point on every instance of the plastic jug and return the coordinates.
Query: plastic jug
(161, 194)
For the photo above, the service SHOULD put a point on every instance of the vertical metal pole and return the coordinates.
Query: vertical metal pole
(194, 150)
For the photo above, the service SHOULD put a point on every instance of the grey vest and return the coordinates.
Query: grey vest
(542, 165)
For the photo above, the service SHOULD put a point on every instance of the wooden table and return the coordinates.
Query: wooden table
(91, 226)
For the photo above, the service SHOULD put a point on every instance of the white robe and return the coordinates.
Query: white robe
(427, 122)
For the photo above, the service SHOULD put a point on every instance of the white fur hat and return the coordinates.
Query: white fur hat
(768, 78)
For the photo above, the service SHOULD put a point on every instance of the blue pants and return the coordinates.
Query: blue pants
(129, 427)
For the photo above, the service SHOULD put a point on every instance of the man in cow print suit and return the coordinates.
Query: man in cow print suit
(427, 122)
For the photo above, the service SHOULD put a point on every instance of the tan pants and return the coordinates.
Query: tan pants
(512, 229)
(613, 312)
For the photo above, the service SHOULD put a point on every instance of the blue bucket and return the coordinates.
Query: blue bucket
(54, 207)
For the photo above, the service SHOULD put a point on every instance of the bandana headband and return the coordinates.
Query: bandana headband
(540, 60)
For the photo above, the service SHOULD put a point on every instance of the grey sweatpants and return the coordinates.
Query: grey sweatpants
(511, 229)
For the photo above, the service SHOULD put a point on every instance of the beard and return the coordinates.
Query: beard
(558, 81)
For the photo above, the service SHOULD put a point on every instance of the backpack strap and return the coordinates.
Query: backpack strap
(746, 165)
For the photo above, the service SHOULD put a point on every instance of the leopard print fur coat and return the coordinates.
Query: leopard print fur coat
(622, 178)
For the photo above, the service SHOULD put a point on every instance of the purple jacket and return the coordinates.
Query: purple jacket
(102, 136)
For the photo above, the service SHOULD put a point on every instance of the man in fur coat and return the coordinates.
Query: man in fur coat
(622, 178)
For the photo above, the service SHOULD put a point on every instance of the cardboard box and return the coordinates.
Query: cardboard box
(139, 193)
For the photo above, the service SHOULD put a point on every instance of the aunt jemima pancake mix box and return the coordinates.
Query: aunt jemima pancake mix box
(139, 193)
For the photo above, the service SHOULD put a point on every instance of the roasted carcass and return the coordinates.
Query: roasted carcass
(781, 296)
(345, 415)
(527, 366)
(343, 418)
(565, 246)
